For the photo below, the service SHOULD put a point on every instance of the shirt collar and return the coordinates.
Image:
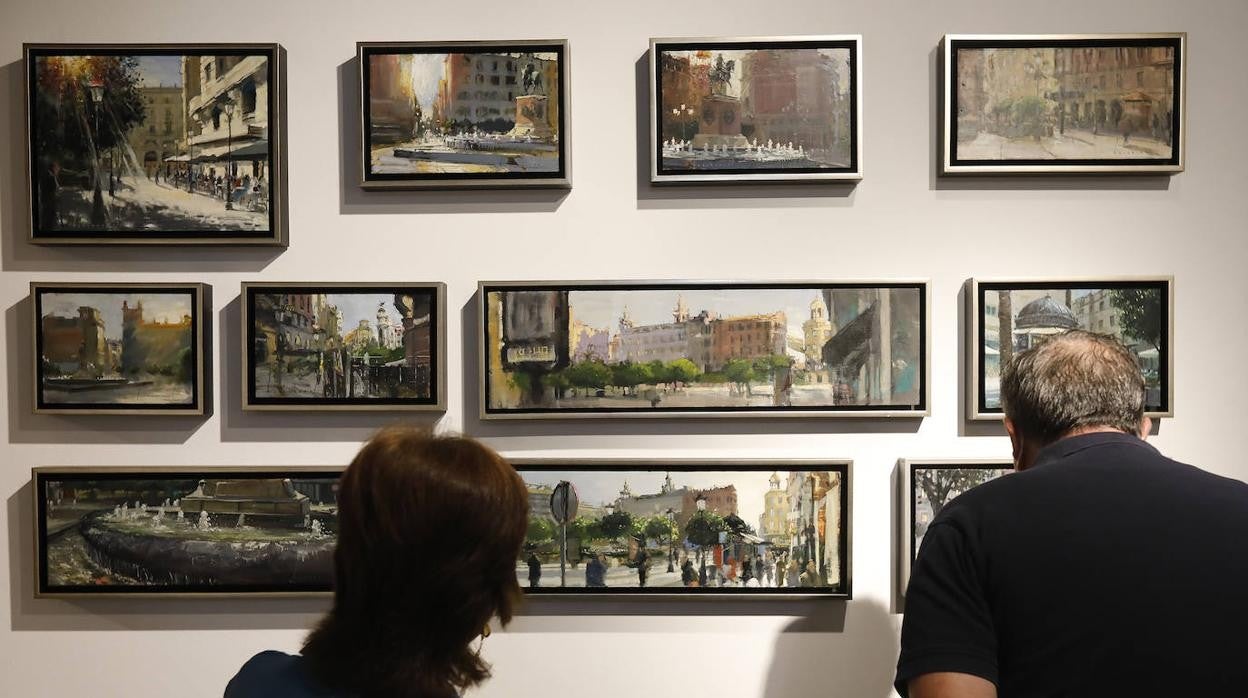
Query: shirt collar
(1071, 445)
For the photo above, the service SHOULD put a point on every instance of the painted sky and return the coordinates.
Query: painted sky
(363, 306)
(427, 71)
(839, 55)
(168, 307)
(160, 70)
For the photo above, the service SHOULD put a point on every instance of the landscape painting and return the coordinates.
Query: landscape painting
(1015, 316)
(472, 114)
(657, 527)
(344, 346)
(655, 349)
(1109, 103)
(754, 109)
(105, 530)
(119, 348)
(154, 143)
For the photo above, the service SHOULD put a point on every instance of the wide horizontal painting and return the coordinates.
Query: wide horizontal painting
(658, 527)
(576, 349)
(173, 143)
(755, 109)
(1010, 317)
(1094, 103)
(110, 348)
(107, 530)
(344, 346)
(467, 114)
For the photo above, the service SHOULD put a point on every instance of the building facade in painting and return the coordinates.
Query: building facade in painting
(161, 135)
(229, 117)
(77, 343)
(794, 96)
(1110, 88)
(816, 331)
(151, 343)
(393, 110)
(773, 524)
(747, 337)
(481, 89)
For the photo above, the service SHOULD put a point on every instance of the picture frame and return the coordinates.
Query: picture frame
(498, 117)
(699, 120)
(1106, 305)
(90, 342)
(669, 492)
(105, 531)
(1093, 94)
(174, 124)
(312, 346)
(587, 349)
(948, 478)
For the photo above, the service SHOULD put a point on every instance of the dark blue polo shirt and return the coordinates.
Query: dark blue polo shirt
(276, 675)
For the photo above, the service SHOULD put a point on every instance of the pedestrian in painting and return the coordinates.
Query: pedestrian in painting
(596, 572)
(747, 571)
(535, 570)
(50, 196)
(688, 575)
(643, 566)
(810, 578)
(780, 571)
(793, 573)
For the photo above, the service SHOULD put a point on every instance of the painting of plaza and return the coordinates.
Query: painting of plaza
(150, 143)
(569, 350)
(178, 531)
(931, 487)
(117, 348)
(681, 528)
(1136, 314)
(485, 112)
(341, 345)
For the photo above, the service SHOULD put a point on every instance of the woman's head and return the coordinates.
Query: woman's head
(429, 528)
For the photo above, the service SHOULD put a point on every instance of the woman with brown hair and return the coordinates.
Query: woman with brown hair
(429, 531)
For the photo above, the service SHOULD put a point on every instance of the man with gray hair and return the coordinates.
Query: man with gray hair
(1100, 568)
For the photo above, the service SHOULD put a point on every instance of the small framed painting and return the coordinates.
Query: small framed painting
(926, 487)
(761, 109)
(1007, 317)
(156, 143)
(1070, 103)
(119, 348)
(344, 346)
(679, 529)
(176, 531)
(465, 114)
(577, 349)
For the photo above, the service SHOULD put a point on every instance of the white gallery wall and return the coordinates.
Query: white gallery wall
(901, 221)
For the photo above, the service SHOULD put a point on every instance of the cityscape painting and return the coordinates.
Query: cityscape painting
(686, 528)
(927, 486)
(106, 530)
(155, 143)
(1012, 316)
(329, 346)
(1081, 103)
(469, 114)
(119, 348)
(656, 349)
(755, 109)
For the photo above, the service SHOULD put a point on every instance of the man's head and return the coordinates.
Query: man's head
(1074, 383)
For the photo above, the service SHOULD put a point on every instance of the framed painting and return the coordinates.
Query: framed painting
(465, 114)
(760, 109)
(703, 349)
(1007, 317)
(344, 346)
(156, 143)
(175, 531)
(740, 528)
(1068, 103)
(926, 487)
(120, 348)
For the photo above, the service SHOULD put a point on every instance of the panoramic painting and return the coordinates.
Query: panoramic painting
(344, 346)
(750, 109)
(635, 527)
(1015, 316)
(181, 530)
(928, 487)
(153, 144)
(119, 348)
(1101, 102)
(656, 349)
(487, 113)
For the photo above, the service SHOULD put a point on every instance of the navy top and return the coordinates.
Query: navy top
(275, 674)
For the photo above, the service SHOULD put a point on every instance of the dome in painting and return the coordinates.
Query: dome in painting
(1046, 312)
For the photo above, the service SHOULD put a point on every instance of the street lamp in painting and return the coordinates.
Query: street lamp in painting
(227, 105)
(96, 91)
(671, 542)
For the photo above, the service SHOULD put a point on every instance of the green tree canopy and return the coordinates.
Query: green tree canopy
(629, 375)
(1139, 311)
(616, 525)
(740, 371)
(659, 529)
(704, 528)
(541, 530)
(589, 375)
(682, 371)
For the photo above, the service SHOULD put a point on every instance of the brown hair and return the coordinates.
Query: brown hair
(429, 530)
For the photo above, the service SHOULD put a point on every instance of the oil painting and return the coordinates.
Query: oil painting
(655, 349)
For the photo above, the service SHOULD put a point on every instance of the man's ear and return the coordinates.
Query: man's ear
(1146, 428)
(1016, 441)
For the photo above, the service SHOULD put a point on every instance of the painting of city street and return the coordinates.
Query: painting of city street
(748, 109)
(1016, 316)
(699, 349)
(634, 527)
(928, 487)
(183, 530)
(344, 346)
(161, 144)
(1041, 102)
(441, 115)
(110, 348)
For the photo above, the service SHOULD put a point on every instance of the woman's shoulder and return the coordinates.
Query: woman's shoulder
(273, 673)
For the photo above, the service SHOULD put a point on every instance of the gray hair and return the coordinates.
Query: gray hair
(1074, 380)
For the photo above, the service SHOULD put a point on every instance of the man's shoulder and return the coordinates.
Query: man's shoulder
(272, 673)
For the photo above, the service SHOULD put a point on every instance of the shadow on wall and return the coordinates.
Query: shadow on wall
(857, 659)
